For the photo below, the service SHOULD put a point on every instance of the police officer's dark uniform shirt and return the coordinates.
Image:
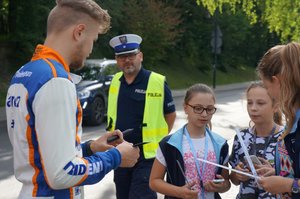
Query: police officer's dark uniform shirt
(131, 104)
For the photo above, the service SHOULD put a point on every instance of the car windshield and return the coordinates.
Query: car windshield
(89, 72)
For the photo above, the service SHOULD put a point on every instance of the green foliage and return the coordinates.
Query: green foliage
(27, 27)
(281, 16)
(156, 23)
(101, 47)
(3, 17)
(181, 78)
(193, 47)
(284, 18)
(243, 43)
(176, 36)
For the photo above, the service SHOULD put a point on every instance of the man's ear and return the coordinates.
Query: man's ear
(79, 31)
(141, 56)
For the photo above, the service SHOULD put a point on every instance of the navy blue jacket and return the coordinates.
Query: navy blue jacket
(171, 147)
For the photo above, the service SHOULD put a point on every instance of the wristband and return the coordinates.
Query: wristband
(89, 151)
(295, 186)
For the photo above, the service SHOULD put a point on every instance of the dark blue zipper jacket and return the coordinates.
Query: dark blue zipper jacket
(171, 147)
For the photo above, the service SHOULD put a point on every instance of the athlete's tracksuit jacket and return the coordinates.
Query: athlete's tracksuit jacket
(171, 148)
(44, 126)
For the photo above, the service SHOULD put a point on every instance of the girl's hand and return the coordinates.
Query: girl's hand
(211, 186)
(276, 184)
(187, 192)
(241, 177)
(265, 169)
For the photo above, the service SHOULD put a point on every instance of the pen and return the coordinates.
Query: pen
(182, 172)
(140, 144)
(115, 137)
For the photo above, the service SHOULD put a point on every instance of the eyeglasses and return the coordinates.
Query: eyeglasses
(199, 109)
(130, 56)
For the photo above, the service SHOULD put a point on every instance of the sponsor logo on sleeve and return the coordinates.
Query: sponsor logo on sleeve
(75, 170)
(80, 169)
(13, 101)
(20, 74)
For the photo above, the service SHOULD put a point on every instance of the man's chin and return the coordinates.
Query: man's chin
(76, 66)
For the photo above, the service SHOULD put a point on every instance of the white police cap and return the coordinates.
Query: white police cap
(127, 43)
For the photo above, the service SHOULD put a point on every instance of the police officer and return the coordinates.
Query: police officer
(138, 99)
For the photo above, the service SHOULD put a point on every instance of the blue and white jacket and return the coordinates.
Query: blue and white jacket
(44, 126)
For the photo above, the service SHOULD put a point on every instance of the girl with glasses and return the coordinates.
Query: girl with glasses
(260, 140)
(178, 153)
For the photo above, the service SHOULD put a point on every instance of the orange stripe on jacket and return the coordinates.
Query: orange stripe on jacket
(79, 118)
(71, 193)
(86, 174)
(52, 68)
(31, 158)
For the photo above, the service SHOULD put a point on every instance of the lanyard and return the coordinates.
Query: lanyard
(195, 157)
(266, 143)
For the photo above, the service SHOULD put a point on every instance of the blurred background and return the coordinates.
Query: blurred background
(211, 41)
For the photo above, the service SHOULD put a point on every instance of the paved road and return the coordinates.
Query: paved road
(231, 111)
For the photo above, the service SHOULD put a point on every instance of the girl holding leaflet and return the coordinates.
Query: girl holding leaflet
(260, 140)
(177, 153)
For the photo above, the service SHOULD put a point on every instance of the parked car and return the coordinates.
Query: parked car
(92, 91)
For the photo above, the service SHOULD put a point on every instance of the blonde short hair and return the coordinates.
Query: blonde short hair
(70, 12)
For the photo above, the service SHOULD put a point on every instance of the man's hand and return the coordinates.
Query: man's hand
(101, 144)
(129, 154)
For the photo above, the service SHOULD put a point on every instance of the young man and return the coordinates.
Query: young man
(138, 99)
(44, 115)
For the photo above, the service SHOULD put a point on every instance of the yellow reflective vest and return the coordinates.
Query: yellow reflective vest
(155, 126)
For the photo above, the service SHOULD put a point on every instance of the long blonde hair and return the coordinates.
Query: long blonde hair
(283, 61)
(290, 82)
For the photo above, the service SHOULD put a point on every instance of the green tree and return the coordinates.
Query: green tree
(26, 26)
(101, 47)
(281, 16)
(156, 22)
(193, 49)
(3, 17)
